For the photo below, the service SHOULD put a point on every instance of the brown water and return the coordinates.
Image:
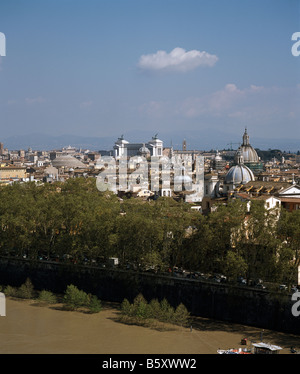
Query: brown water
(28, 328)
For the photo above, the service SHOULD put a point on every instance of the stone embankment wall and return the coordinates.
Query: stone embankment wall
(238, 304)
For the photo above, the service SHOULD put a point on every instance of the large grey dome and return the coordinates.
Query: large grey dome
(67, 161)
(248, 152)
(239, 174)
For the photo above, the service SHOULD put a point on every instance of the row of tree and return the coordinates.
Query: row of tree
(75, 220)
(140, 311)
(73, 298)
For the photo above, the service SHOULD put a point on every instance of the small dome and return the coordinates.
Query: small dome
(239, 174)
(144, 150)
(67, 161)
(248, 152)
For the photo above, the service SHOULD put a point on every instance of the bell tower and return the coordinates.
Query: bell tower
(246, 138)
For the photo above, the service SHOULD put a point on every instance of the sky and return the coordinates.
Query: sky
(200, 70)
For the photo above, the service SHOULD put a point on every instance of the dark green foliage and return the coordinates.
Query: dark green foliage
(26, 290)
(181, 315)
(140, 309)
(73, 221)
(126, 308)
(10, 291)
(94, 304)
(47, 297)
(75, 298)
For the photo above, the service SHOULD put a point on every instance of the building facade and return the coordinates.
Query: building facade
(123, 148)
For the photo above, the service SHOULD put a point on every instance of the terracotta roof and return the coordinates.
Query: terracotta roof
(289, 199)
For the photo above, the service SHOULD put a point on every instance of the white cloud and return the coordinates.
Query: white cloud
(229, 101)
(214, 104)
(11, 102)
(86, 104)
(34, 100)
(252, 104)
(177, 60)
(156, 109)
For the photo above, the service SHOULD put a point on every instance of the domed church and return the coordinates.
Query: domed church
(250, 157)
(237, 174)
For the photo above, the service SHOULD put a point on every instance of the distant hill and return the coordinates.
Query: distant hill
(46, 142)
(197, 140)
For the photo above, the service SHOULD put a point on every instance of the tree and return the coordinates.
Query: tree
(174, 221)
(155, 309)
(26, 290)
(225, 224)
(94, 304)
(140, 307)
(234, 266)
(75, 298)
(167, 311)
(47, 297)
(196, 249)
(126, 308)
(181, 315)
(259, 242)
(288, 255)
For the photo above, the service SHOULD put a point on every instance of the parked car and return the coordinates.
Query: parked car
(242, 281)
(283, 287)
(294, 289)
(260, 286)
(219, 278)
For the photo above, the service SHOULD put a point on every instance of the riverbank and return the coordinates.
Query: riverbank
(29, 328)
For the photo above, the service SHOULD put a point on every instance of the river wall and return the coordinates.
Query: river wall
(237, 304)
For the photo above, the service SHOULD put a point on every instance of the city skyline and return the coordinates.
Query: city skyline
(195, 70)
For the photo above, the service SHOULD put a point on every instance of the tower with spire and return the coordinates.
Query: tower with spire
(245, 138)
(249, 154)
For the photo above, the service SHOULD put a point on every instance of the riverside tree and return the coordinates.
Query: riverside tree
(75, 220)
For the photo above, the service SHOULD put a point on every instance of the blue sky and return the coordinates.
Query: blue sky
(196, 69)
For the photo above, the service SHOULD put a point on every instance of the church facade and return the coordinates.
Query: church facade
(123, 148)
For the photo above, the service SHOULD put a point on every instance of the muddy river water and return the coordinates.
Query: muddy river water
(28, 328)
